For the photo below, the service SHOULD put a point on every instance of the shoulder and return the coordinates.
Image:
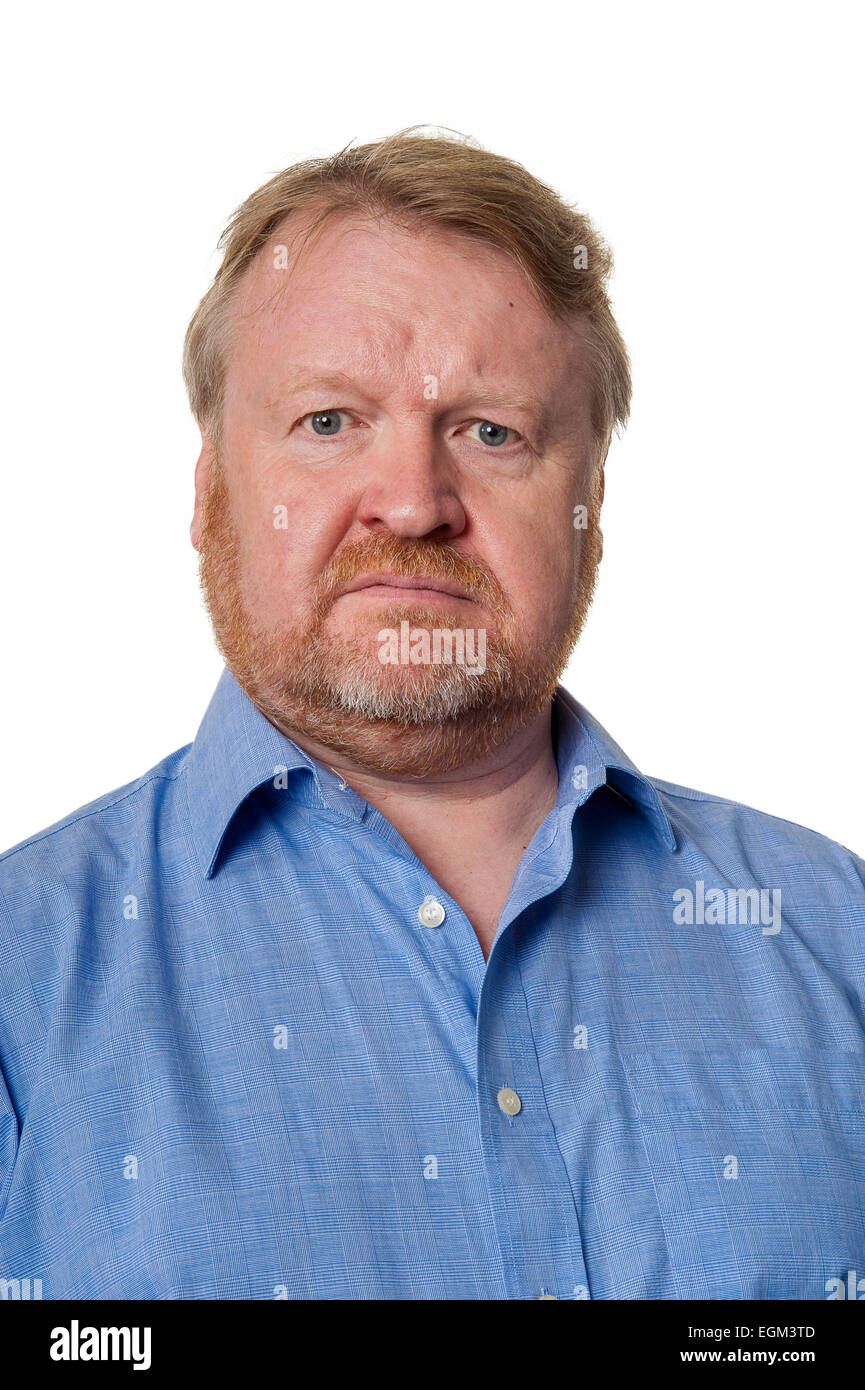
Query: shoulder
(737, 832)
(62, 895)
(54, 861)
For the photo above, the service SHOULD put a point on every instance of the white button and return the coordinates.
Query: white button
(509, 1101)
(431, 913)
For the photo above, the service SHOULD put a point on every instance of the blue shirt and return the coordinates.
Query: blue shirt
(235, 1061)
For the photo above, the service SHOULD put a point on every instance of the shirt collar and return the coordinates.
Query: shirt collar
(589, 758)
(237, 750)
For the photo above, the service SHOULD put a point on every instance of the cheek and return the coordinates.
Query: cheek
(287, 542)
(539, 574)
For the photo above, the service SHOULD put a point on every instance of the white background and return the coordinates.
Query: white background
(720, 151)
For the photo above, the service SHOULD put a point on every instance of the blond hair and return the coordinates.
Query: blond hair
(425, 182)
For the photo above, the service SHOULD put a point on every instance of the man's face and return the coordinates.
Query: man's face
(406, 435)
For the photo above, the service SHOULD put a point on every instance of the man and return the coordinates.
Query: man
(402, 981)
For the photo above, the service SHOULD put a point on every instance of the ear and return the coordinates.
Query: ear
(202, 480)
(600, 480)
(601, 475)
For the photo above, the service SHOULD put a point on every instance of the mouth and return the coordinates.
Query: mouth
(419, 588)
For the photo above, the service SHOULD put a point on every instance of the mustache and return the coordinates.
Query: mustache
(408, 558)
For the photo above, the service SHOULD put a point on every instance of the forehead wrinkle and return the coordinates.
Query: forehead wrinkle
(464, 378)
(361, 332)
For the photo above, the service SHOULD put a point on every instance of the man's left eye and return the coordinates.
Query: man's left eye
(491, 433)
(325, 422)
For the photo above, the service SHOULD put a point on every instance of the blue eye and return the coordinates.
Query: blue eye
(493, 434)
(325, 421)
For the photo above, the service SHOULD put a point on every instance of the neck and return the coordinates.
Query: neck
(521, 773)
(471, 826)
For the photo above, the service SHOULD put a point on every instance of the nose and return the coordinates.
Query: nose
(412, 486)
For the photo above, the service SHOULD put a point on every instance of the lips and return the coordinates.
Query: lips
(421, 582)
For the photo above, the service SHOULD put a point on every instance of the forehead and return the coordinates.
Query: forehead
(393, 306)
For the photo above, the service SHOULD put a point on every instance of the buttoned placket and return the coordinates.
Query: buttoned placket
(529, 1188)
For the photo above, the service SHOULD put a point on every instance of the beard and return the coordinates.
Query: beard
(410, 720)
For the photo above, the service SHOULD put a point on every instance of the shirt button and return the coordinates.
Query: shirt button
(509, 1101)
(431, 913)
(553, 1296)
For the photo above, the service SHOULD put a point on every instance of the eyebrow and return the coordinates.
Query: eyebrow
(496, 399)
